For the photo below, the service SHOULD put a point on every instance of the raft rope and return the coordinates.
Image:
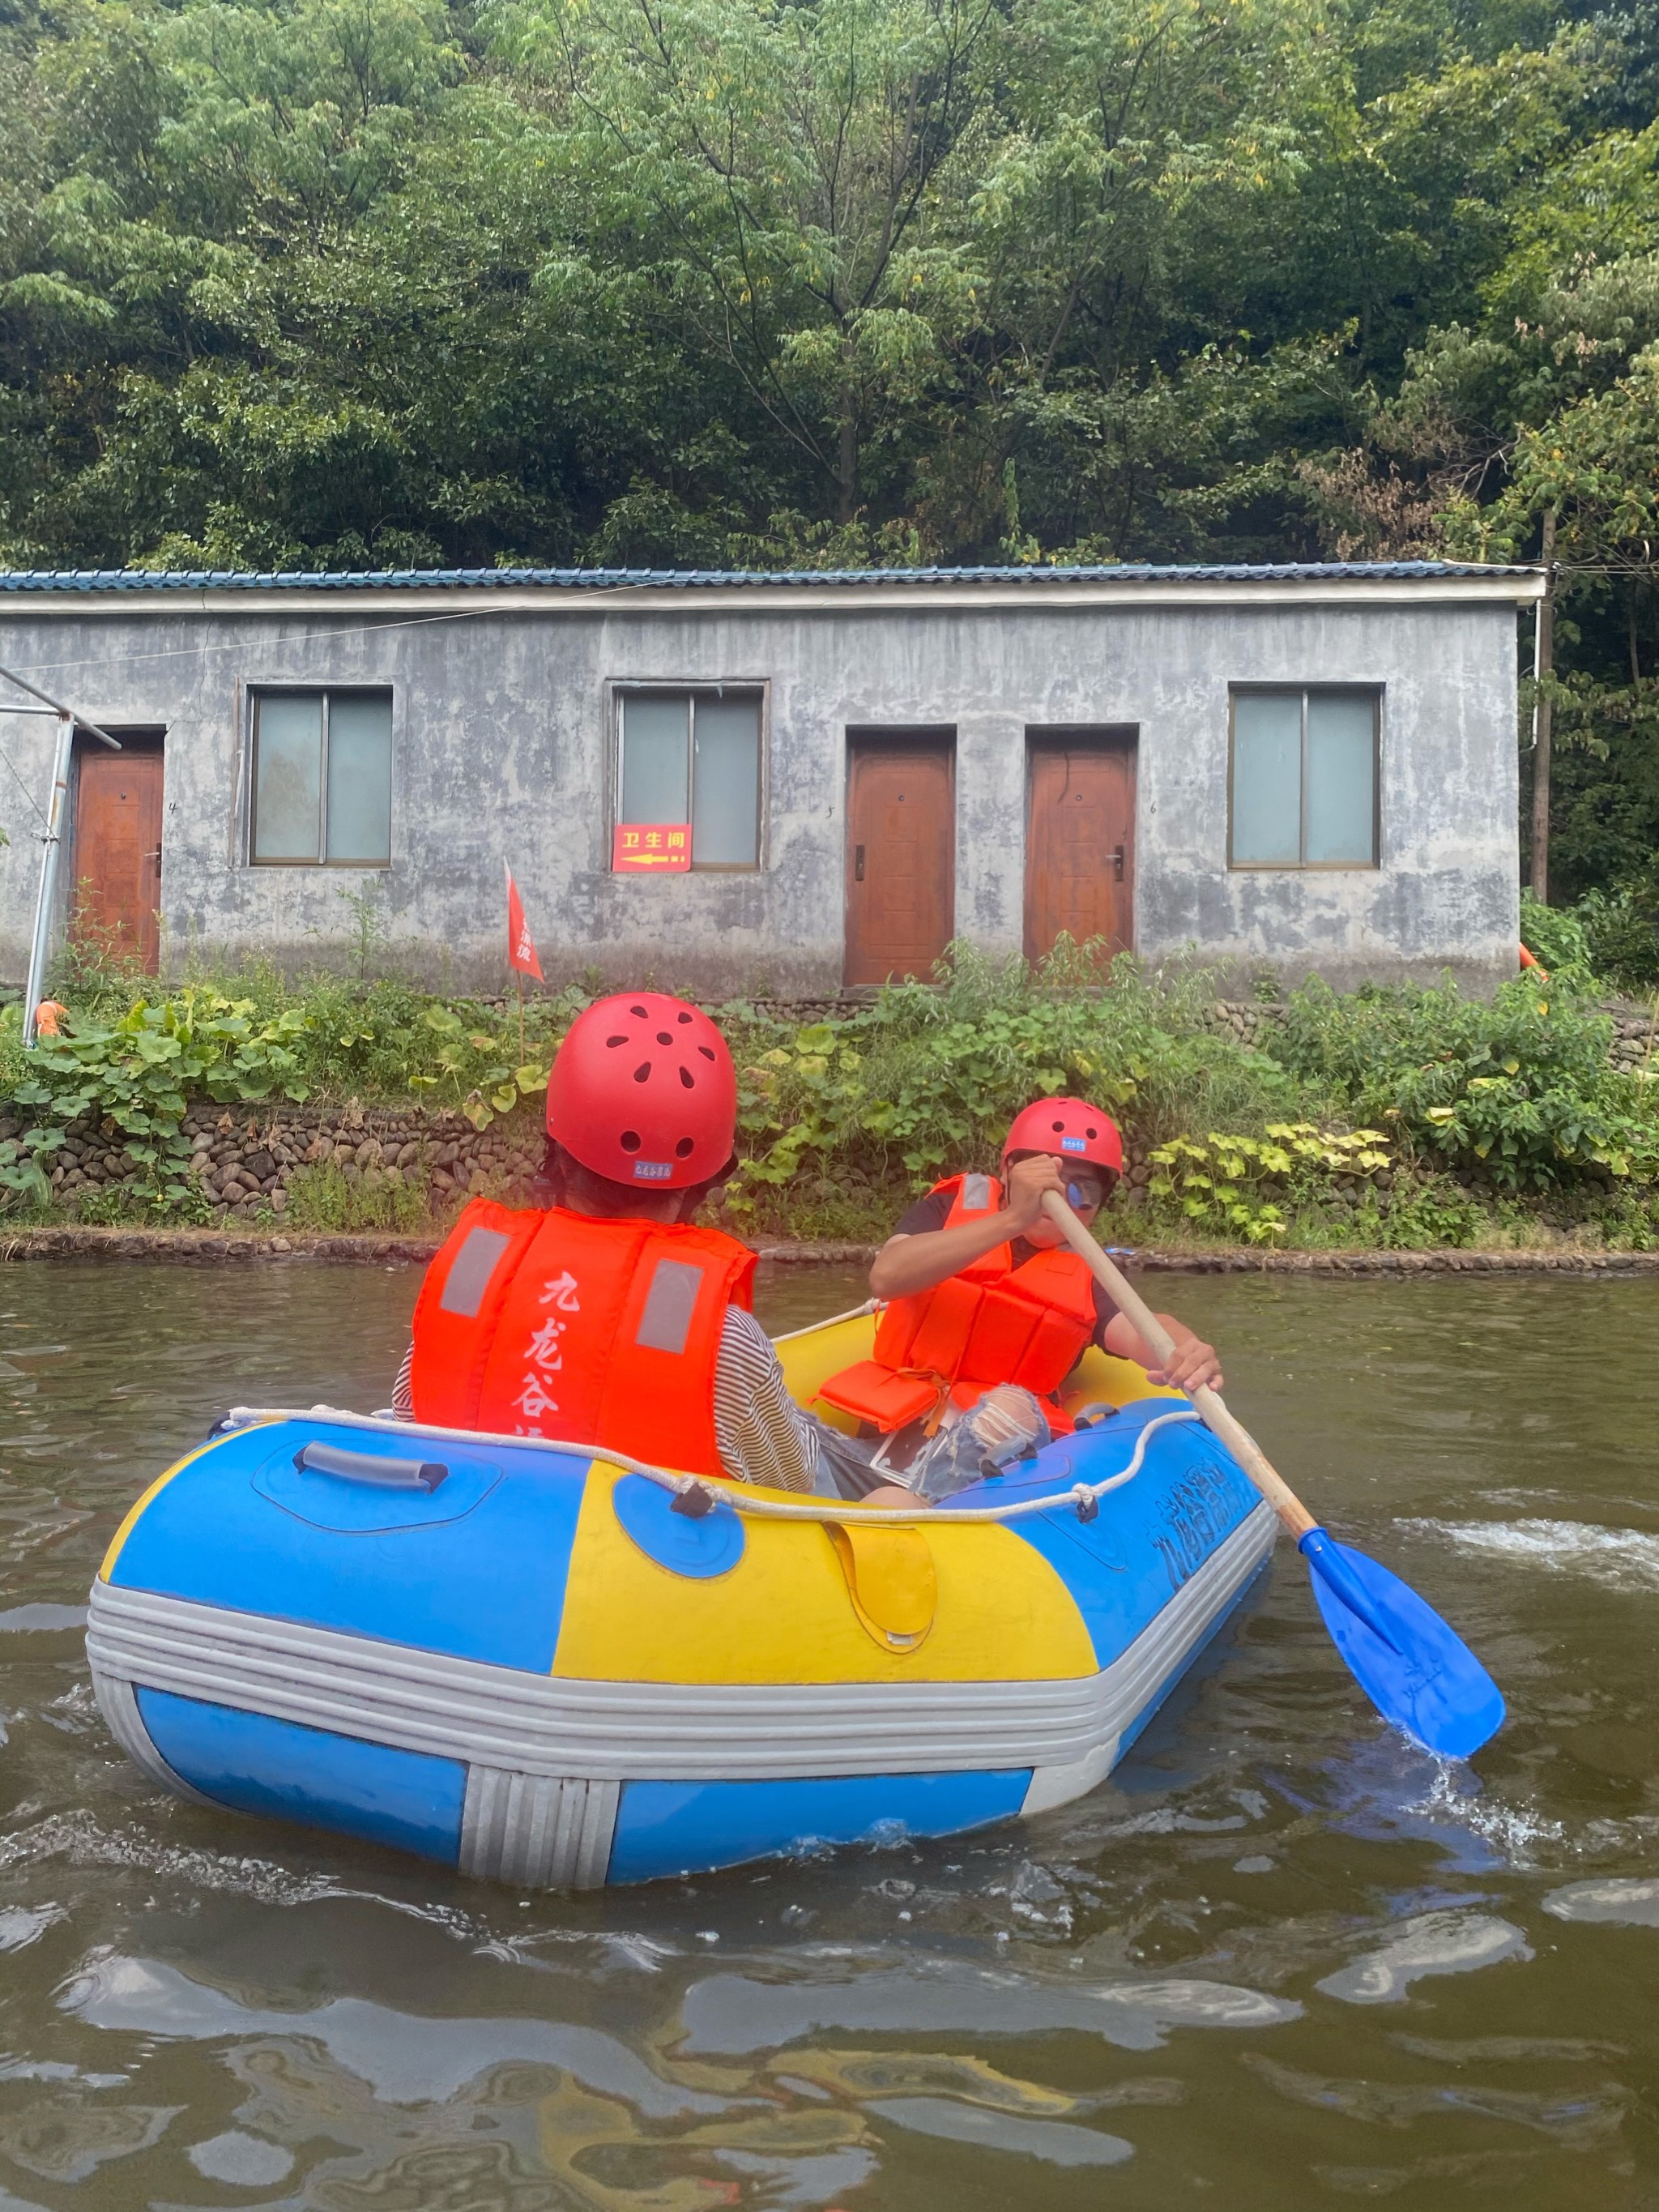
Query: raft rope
(853, 1313)
(696, 1495)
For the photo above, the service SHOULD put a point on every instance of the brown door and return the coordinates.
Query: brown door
(117, 850)
(901, 854)
(1080, 840)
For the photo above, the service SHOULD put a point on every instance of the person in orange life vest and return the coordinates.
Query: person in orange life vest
(988, 1311)
(604, 1316)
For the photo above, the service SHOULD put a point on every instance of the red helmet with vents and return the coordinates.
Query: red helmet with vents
(1070, 1129)
(643, 1091)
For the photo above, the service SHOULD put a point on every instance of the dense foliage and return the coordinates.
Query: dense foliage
(1395, 1117)
(291, 283)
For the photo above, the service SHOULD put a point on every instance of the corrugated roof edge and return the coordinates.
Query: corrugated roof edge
(237, 580)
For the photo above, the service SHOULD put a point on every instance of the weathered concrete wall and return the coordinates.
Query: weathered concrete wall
(500, 750)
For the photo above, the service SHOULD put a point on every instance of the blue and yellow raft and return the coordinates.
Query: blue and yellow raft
(535, 1666)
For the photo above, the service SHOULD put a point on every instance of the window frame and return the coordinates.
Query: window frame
(326, 693)
(1376, 693)
(757, 688)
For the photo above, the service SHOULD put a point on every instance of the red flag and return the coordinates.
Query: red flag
(521, 945)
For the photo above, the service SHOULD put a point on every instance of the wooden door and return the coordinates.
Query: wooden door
(901, 854)
(1081, 839)
(117, 851)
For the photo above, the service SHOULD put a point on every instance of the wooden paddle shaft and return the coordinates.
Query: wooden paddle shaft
(1210, 1410)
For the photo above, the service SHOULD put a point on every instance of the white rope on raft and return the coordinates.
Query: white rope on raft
(717, 1489)
(812, 1328)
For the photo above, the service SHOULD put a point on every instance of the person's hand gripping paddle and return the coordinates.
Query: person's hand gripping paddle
(1420, 1676)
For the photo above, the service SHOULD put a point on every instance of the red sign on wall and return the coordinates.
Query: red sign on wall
(640, 848)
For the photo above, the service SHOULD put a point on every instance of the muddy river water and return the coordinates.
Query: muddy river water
(1279, 1960)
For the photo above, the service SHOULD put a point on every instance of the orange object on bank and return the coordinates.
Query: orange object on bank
(47, 1017)
(1530, 960)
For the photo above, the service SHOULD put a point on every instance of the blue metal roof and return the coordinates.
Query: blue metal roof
(588, 579)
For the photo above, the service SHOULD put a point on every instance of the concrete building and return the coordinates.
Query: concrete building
(781, 783)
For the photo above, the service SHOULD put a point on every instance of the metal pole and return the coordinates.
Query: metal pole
(1543, 664)
(58, 708)
(50, 845)
(68, 721)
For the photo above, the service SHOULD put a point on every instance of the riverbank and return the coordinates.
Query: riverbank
(1394, 1122)
(224, 1246)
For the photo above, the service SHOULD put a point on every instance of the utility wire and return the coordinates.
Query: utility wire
(24, 789)
(303, 637)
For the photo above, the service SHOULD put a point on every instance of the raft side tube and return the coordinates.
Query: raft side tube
(511, 1680)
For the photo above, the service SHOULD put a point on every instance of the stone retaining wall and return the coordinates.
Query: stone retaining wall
(245, 1158)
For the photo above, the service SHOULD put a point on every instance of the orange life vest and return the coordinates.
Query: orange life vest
(992, 1323)
(556, 1324)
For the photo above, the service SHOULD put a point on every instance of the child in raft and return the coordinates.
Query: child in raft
(605, 1315)
(988, 1310)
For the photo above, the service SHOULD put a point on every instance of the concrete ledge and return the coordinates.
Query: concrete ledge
(221, 1247)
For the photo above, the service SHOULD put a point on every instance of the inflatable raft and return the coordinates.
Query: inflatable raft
(545, 1666)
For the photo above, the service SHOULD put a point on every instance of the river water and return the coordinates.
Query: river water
(1279, 1960)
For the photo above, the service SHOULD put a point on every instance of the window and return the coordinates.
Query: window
(1304, 780)
(322, 779)
(694, 756)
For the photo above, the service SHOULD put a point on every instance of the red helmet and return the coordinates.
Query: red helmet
(1070, 1129)
(643, 1090)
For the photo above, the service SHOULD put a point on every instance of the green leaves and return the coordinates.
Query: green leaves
(721, 282)
(1236, 1185)
(1521, 1084)
(139, 1072)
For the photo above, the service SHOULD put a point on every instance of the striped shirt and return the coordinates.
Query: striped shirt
(761, 1434)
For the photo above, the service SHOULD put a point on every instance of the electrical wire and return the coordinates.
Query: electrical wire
(26, 792)
(601, 597)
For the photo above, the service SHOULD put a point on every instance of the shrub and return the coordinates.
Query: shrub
(1621, 934)
(140, 1071)
(1557, 938)
(1518, 1088)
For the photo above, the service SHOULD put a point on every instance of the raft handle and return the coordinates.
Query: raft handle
(694, 1501)
(371, 1466)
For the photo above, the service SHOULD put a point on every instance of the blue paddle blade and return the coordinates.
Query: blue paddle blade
(1420, 1676)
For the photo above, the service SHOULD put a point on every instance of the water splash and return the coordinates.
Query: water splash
(1618, 1558)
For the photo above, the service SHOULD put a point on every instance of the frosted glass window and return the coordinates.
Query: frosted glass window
(1266, 779)
(656, 759)
(1342, 779)
(360, 780)
(322, 779)
(288, 778)
(1304, 780)
(694, 756)
(725, 784)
